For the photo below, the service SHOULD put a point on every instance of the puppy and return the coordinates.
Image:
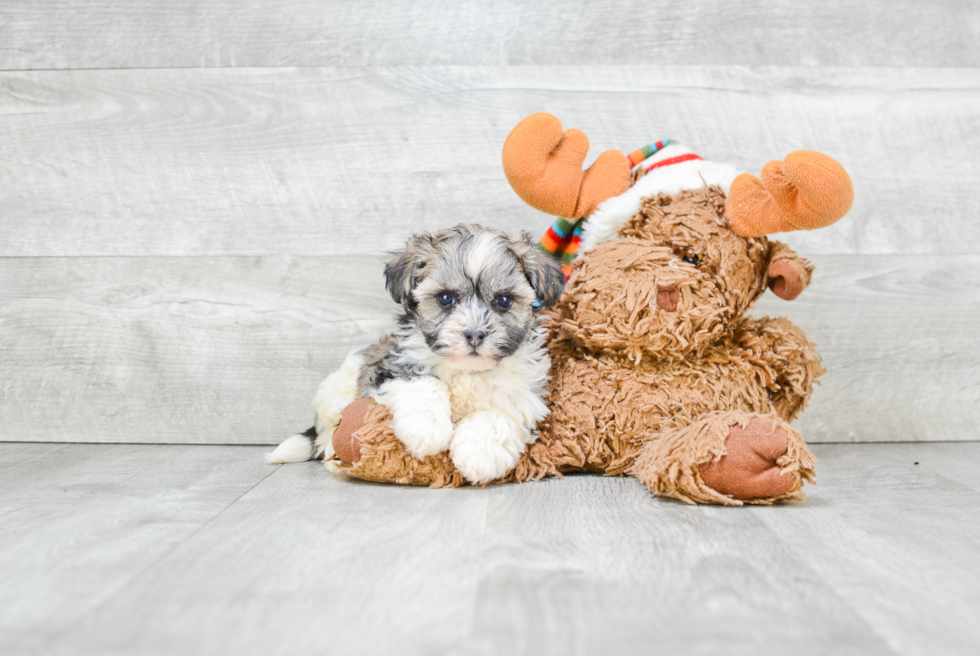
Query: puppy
(467, 367)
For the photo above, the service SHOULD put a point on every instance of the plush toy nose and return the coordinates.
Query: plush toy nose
(474, 337)
(667, 297)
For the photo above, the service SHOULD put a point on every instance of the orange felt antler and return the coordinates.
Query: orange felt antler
(807, 190)
(544, 166)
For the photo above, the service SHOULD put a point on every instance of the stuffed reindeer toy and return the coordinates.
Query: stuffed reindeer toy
(656, 372)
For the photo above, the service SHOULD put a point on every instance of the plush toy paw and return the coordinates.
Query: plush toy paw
(486, 445)
(345, 444)
(727, 458)
(787, 279)
(750, 468)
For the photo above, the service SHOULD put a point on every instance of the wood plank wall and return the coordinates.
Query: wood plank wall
(195, 196)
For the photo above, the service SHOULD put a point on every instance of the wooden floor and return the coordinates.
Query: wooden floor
(164, 549)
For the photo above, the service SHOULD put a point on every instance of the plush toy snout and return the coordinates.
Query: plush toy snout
(668, 297)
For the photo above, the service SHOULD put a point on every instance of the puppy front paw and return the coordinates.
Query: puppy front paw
(421, 413)
(423, 433)
(485, 446)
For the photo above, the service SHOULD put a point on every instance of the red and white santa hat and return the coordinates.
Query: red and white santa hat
(667, 167)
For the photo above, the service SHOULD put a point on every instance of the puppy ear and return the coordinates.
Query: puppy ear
(543, 270)
(402, 271)
(787, 274)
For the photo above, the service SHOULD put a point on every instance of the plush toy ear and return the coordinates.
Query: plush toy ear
(788, 273)
(543, 270)
(401, 273)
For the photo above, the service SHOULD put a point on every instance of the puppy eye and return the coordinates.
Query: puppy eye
(504, 302)
(445, 299)
(691, 259)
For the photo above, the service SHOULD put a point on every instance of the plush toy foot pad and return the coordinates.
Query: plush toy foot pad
(345, 445)
(749, 468)
(728, 457)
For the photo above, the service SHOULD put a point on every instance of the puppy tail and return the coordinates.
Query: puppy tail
(298, 448)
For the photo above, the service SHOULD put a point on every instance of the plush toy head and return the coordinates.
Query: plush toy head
(678, 257)
(672, 284)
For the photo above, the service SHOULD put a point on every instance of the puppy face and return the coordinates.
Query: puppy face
(471, 291)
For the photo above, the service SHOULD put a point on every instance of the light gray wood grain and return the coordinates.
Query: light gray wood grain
(81, 524)
(349, 161)
(897, 335)
(160, 350)
(230, 350)
(591, 565)
(911, 529)
(954, 463)
(193, 33)
(878, 560)
(313, 562)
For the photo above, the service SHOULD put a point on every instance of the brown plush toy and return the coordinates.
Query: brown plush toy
(656, 372)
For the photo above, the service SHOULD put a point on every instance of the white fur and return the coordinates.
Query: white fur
(612, 213)
(485, 245)
(297, 448)
(496, 410)
(420, 411)
(332, 396)
(487, 444)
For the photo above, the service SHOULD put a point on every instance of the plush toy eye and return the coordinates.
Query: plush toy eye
(504, 302)
(691, 259)
(445, 299)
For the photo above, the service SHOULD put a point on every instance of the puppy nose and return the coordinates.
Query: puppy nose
(667, 297)
(474, 337)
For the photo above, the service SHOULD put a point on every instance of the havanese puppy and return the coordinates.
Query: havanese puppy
(467, 367)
